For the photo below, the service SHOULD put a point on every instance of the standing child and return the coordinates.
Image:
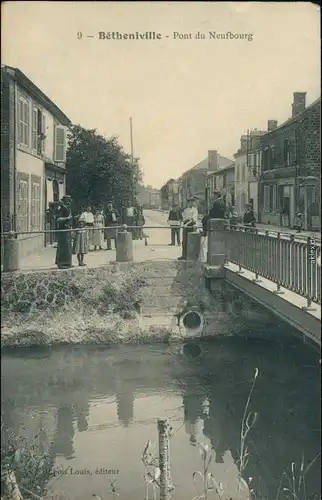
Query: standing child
(81, 241)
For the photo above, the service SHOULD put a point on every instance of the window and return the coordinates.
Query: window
(34, 129)
(60, 144)
(38, 131)
(23, 205)
(23, 121)
(237, 172)
(258, 160)
(286, 152)
(268, 158)
(35, 206)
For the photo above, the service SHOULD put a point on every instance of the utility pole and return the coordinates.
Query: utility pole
(132, 157)
(131, 136)
(247, 165)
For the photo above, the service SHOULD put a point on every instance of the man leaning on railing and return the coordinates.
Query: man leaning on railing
(190, 218)
(217, 211)
(249, 219)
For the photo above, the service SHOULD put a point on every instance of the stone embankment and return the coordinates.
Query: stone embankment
(130, 302)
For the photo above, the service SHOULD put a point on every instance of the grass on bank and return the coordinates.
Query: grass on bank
(98, 309)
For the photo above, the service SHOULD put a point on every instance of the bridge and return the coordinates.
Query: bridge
(210, 293)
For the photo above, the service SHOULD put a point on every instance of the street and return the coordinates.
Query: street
(157, 248)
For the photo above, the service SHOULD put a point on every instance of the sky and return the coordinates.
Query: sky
(185, 95)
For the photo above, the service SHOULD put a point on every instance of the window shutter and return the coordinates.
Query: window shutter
(274, 196)
(266, 198)
(60, 144)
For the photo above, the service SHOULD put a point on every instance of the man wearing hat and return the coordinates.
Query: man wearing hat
(217, 211)
(112, 218)
(64, 238)
(190, 218)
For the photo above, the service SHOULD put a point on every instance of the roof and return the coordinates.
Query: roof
(220, 170)
(295, 118)
(170, 181)
(142, 189)
(222, 162)
(18, 76)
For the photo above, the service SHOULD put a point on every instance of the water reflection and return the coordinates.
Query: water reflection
(125, 407)
(193, 413)
(82, 411)
(206, 394)
(64, 436)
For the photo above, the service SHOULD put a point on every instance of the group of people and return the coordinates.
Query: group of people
(188, 218)
(92, 228)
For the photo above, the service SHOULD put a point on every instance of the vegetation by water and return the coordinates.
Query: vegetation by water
(97, 305)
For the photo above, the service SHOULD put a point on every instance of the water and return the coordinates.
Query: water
(100, 406)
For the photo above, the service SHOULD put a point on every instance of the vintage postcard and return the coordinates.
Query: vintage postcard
(160, 250)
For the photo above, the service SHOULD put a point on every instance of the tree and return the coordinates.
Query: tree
(98, 169)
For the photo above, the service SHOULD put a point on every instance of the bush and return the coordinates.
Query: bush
(31, 464)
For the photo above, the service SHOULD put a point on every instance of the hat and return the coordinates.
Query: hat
(191, 198)
(81, 218)
(66, 197)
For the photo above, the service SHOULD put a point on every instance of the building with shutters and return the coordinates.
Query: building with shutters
(193, 181)
(247, 169)
(33, 156)
(291, 167)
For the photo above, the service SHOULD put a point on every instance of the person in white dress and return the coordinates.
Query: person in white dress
(88, 217)
(98, 232)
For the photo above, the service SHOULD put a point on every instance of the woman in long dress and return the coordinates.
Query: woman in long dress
(64, 238)
(98, 233)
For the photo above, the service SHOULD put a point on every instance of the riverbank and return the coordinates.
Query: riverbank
(73, 307)
(135, 303)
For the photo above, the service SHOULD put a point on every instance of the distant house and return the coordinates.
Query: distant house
(193, 181)
(171, 193)
(148, 197)
(33, 156)
(222, 180)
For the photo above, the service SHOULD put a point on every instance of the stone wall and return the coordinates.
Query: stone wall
(130, 302)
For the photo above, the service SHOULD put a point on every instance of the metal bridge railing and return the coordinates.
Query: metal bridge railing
(282, 258)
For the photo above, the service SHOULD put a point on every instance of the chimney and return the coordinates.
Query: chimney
(212, 160)
(271, 125)
(298, 103)
(243, 143)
